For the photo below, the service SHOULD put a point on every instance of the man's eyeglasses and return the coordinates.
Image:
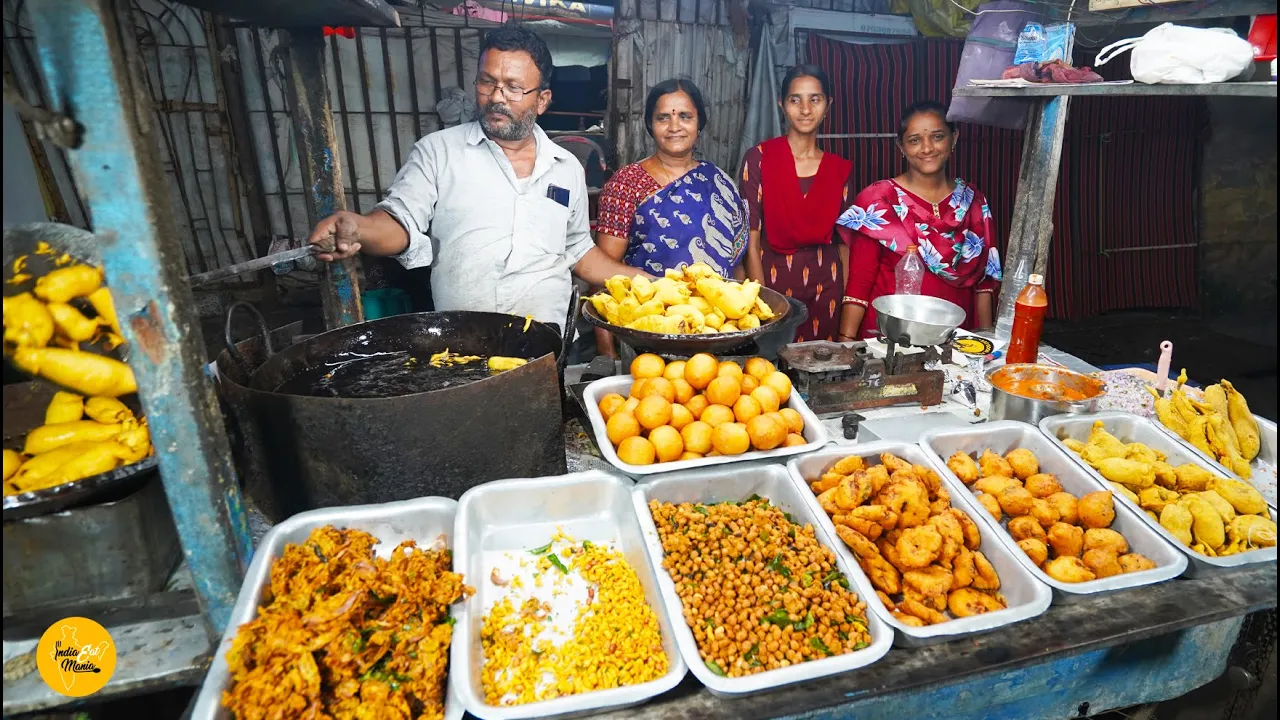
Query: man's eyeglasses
(489, 87)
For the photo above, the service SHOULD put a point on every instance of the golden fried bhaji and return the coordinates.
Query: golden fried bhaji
(1101, 562)
(344, 634)
(1096, 509)
(1068, 569)
(1066, 540)
(964, 468)
(1042, 485)
(1023, 463)
(1035, 549)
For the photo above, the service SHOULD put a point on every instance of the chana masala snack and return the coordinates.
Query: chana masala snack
(581, 624)
(344, 634)
(758, 591)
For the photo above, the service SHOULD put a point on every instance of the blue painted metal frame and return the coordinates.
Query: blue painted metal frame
(90, 71)
(1149, 671)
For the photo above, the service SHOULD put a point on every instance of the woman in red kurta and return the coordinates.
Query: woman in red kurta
(944, 217)
(794, 193)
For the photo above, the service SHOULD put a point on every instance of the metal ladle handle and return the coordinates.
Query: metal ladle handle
(234, 351)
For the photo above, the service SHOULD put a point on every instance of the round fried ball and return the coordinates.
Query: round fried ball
(1025, 527)
(746, 409)
(1105, 539)
(1015, 501)
(647, 365)
(1023, 462)
(1101, 562)
(767, 397)
(991, 504)
(730, 439)
(748, 384)
(680, 416)
(723, 391)
(780, 383)
(697, 404)
(610, 404)
(1134, 562)
(794, 440)
(637, 451)
(690, 455)
(1042, 485)
(1097, 509)
(1035, 549)
(1044, 513)
(765, 433)
(1066, 540)
(667, 443)
(637, 387)
(654, 411)
(731, 368)
(1068, 569)
(1066, 505)
(759, 368)
(659, 386)
(700, 370)
(621, 426)
(795, 421)
(697, 437)
(684, 391)
(674, 370)
(717, 415)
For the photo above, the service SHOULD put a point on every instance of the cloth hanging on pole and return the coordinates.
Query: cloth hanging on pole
(764, 119)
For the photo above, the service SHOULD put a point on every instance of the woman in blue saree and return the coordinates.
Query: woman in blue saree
(671, 209)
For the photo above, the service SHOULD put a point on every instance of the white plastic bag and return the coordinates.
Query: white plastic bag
(1177, 55)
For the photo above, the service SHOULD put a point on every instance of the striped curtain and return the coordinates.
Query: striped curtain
(1125, 221)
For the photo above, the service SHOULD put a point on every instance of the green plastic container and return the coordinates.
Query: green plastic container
(385, 303)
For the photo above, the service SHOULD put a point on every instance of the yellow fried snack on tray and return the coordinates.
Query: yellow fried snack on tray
(343, 633)
(1068, 537)
(689, 301)
(1188, 500)
(916, 549)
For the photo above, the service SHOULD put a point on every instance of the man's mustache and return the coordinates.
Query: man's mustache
(498, 109)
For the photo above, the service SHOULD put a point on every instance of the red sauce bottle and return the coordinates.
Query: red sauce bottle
(1028, 321)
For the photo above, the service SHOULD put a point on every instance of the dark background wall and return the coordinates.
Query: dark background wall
(1238, 208)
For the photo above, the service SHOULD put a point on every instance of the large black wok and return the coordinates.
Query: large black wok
(460, 428)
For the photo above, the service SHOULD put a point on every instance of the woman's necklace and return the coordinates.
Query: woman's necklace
(668, 176)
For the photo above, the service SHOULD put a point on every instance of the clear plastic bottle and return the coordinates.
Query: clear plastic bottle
(909, 275)
(1028, 321)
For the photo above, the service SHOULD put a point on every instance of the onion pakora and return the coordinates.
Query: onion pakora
(344, 634)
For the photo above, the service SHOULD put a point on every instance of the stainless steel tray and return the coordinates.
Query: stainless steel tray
(1131, 428)
(1005, 435)
(423, 520)
(515, 515)
(1027, 597)
(711, 485)
(1264, 465)
(815, 433)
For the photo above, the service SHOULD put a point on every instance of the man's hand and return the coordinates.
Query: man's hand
(337, 237)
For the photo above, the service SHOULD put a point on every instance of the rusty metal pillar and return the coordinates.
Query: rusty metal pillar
(89, 64)
(308, 93)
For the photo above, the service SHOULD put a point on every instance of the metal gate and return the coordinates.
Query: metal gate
(198, 153)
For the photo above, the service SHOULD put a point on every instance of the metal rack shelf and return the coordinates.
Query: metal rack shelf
(1227, 89)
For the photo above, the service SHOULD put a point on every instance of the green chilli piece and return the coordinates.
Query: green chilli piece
(817, 644)
(716, 669)
(555, 560)
(542, 550)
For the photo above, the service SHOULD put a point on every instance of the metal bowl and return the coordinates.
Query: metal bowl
(693, 344)
(917, 320)
(1030, 393)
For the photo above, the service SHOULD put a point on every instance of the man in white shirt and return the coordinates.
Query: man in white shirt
(496, 208)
